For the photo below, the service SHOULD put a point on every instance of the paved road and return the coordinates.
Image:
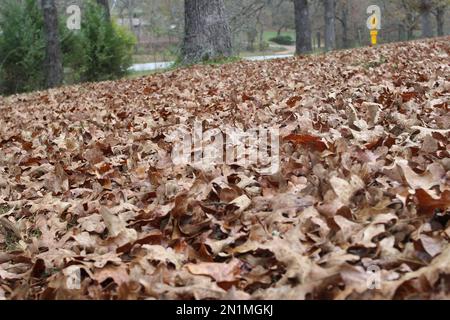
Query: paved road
(163, 65)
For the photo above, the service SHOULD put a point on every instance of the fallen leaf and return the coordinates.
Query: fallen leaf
(220, 272)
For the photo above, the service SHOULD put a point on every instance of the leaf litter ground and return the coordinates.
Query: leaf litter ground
(88, 187)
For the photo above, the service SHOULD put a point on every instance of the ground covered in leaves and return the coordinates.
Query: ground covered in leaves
(87, 183)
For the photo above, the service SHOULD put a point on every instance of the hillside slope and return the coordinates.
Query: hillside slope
(89, 190)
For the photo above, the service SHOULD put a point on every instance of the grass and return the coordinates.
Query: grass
(210, 62)
(138, 74)
(11, 240)
(34, 233)
(146, 58)
(272, 34)
(221, 61)
(158, 57)
(4, 208)
(177, 65)
(168, 55)
(269, 51)
(149, 58)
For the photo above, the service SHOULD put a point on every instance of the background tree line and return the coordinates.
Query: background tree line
(159, 24)
(38, 51)
(332, 24)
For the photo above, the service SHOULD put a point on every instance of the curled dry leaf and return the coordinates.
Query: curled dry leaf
(312, 142)
(428, 204)
(242, 203)
(345, 190)
(119, 274)
(165, 255)
(114, 224)
(92, 223)
(220, 272)
(431, 245)
(425, 181)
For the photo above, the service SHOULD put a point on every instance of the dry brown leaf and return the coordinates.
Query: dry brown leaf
(220, 272)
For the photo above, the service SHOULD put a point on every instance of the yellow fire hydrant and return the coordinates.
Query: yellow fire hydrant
(374, 36)
(374, 22)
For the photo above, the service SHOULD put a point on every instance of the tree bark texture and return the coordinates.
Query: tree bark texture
(440, 18)
(53, 55)
(425, 18)
(302, 26)
(330, 24)
(105, 5)
(207, 31)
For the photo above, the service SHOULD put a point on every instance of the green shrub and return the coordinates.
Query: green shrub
(283, 40)
(264, 46)
(22, 46)
(106, 48)
(73, 55)
(101, 50)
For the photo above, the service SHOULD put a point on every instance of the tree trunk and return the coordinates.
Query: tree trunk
(251, 38)
(130, 17)
(410, 25)
(440, 18)
(302, 27)
(425, 18)
(410, 33)
(261, 38)
(280, 29)
(53, 55)
(344, 21)
(207, 31)
(401, 32)
(330, 28)
(105, 5)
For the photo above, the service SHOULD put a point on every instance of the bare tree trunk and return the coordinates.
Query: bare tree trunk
(207, 31)
(410, 25)
(280, 29)
(302, 26)
(261, 37)
(53, 55)
(344, 21)
(401, 32)
(410, 33)
(440, 18)
(330, 27)
(105, 5)
(425, 18)
(130, 17)
(251, 38)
